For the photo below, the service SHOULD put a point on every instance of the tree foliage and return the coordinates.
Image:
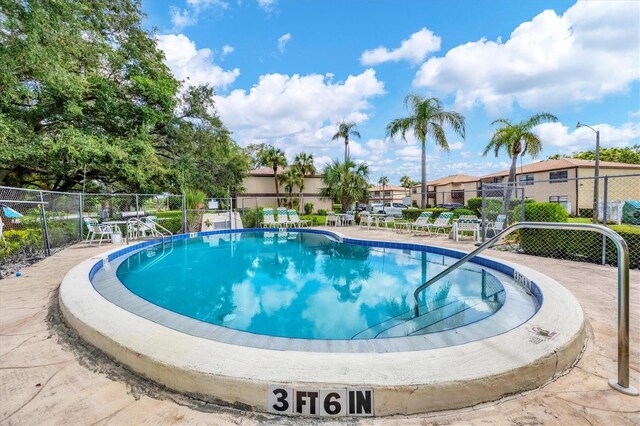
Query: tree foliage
(345, 183)
(346, 129)
(628, 155)
(273, 157)
(426, 118)
(86, 97)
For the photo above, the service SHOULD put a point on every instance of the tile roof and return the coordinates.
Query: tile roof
(451, 179)
(563, 163)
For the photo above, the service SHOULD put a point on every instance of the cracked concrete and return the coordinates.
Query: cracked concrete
(48, 376)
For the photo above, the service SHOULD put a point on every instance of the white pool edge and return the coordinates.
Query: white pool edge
(403, 382)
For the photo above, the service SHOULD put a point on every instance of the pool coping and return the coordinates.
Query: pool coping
(403, 382)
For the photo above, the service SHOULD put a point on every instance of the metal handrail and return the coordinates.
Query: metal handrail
(622, 383)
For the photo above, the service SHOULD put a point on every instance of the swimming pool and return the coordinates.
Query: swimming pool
(245, 332)
(284, 284)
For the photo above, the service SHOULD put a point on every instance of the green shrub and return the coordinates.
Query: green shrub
(475, 205)
(413, 214)
(337, 208)
(585, 212)
(308, 208)
(172, 220)
(322, 212)
(248, 216)
(22, 243)
(460, 212)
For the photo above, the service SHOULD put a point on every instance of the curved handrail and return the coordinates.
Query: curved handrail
(151, 228)
(622, 383)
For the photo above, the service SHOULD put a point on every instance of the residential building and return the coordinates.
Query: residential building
(260, 190)
(454, 189)
(391, 194)
(566, 181)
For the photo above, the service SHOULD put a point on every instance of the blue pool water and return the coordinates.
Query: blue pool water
(304, 285)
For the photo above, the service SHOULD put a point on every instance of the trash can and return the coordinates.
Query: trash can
(116, 238)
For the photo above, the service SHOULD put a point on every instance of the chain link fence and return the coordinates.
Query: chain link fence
(38, 223)
(616, 204)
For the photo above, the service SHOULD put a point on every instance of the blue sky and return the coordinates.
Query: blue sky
(285, 72)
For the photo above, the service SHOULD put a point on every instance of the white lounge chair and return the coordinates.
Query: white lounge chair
(421, 223)
(268, 221)
(442, 223)
(498, 225)
(283, 218)
(94, 229)
(294, 219)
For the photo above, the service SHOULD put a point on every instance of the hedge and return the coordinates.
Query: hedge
(413, 214)
(460, 212)
(582, 246)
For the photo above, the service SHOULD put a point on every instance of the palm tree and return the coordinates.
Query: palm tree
(406, 183)
(383, 181)
(517, 139)
(345, 183)
(346, 129)
(304, 163)
(273, 157)
(427, 119)
(291, 178)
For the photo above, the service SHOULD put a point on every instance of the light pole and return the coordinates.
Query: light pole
(596, 183)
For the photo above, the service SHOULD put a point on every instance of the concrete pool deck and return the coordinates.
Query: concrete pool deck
(47, 377)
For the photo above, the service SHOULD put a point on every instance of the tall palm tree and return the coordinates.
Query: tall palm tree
(304, 163)
(345, 183)
(426, 119)
(517, 140)
(383, 182)
(406, 183)
(346, 129)
(273, 157)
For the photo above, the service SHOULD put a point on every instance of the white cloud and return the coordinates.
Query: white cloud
(588, 52)
(267, 5)
(567, 140)
(298, 113)
(181, 18)
(282, 42)
(226, 49)
(456, 146)
(634, 114)
(415, 49)
(193, 65)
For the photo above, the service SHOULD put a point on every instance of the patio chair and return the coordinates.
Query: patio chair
(332, 218)
(295, 220)
(442, 223)
(467, 225)
(268, 221)
(498, 225)
(94, 229)
(421, 223)
(365, 220)
(283, 218)
(350, 218)
(384, 222)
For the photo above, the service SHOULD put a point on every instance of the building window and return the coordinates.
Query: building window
(526, 179)
(563, 200)
(557, 177)
(414, 191)
(457, 195)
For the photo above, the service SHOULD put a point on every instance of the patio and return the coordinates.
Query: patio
(49, 376)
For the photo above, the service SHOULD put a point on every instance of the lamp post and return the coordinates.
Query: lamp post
(596, 182)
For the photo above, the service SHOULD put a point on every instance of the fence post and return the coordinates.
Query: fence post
(523, 198)
(137, 207)
(80, 218)
(230, 215)
(484, 213)
(257, 224)
(45, 229)
(604, 218)
(184, 213)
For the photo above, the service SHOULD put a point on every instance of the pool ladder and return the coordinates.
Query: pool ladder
(153, 230)
(622, 383)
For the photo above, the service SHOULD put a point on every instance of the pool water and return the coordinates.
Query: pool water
(305, 285)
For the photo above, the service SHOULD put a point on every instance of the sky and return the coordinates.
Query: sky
(286, 72)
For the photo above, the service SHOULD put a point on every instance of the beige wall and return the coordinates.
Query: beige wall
(443, 193)
(390, 196)
(261, 190)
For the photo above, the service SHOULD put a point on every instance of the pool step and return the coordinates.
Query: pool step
(373, 331)
(466, 316)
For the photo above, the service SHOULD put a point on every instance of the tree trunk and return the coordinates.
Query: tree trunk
(510, 185)
(275, 176)
(346, 150)
(424, 174)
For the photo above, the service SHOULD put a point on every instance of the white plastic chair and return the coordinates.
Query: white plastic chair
(332, 218)
(365, 220)
(268, 221)
(441, 223)
(422, 222)
(294, 219)
(498, 225)
(283, 219)
(349, 219)
(96, 229)
(467, 225)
